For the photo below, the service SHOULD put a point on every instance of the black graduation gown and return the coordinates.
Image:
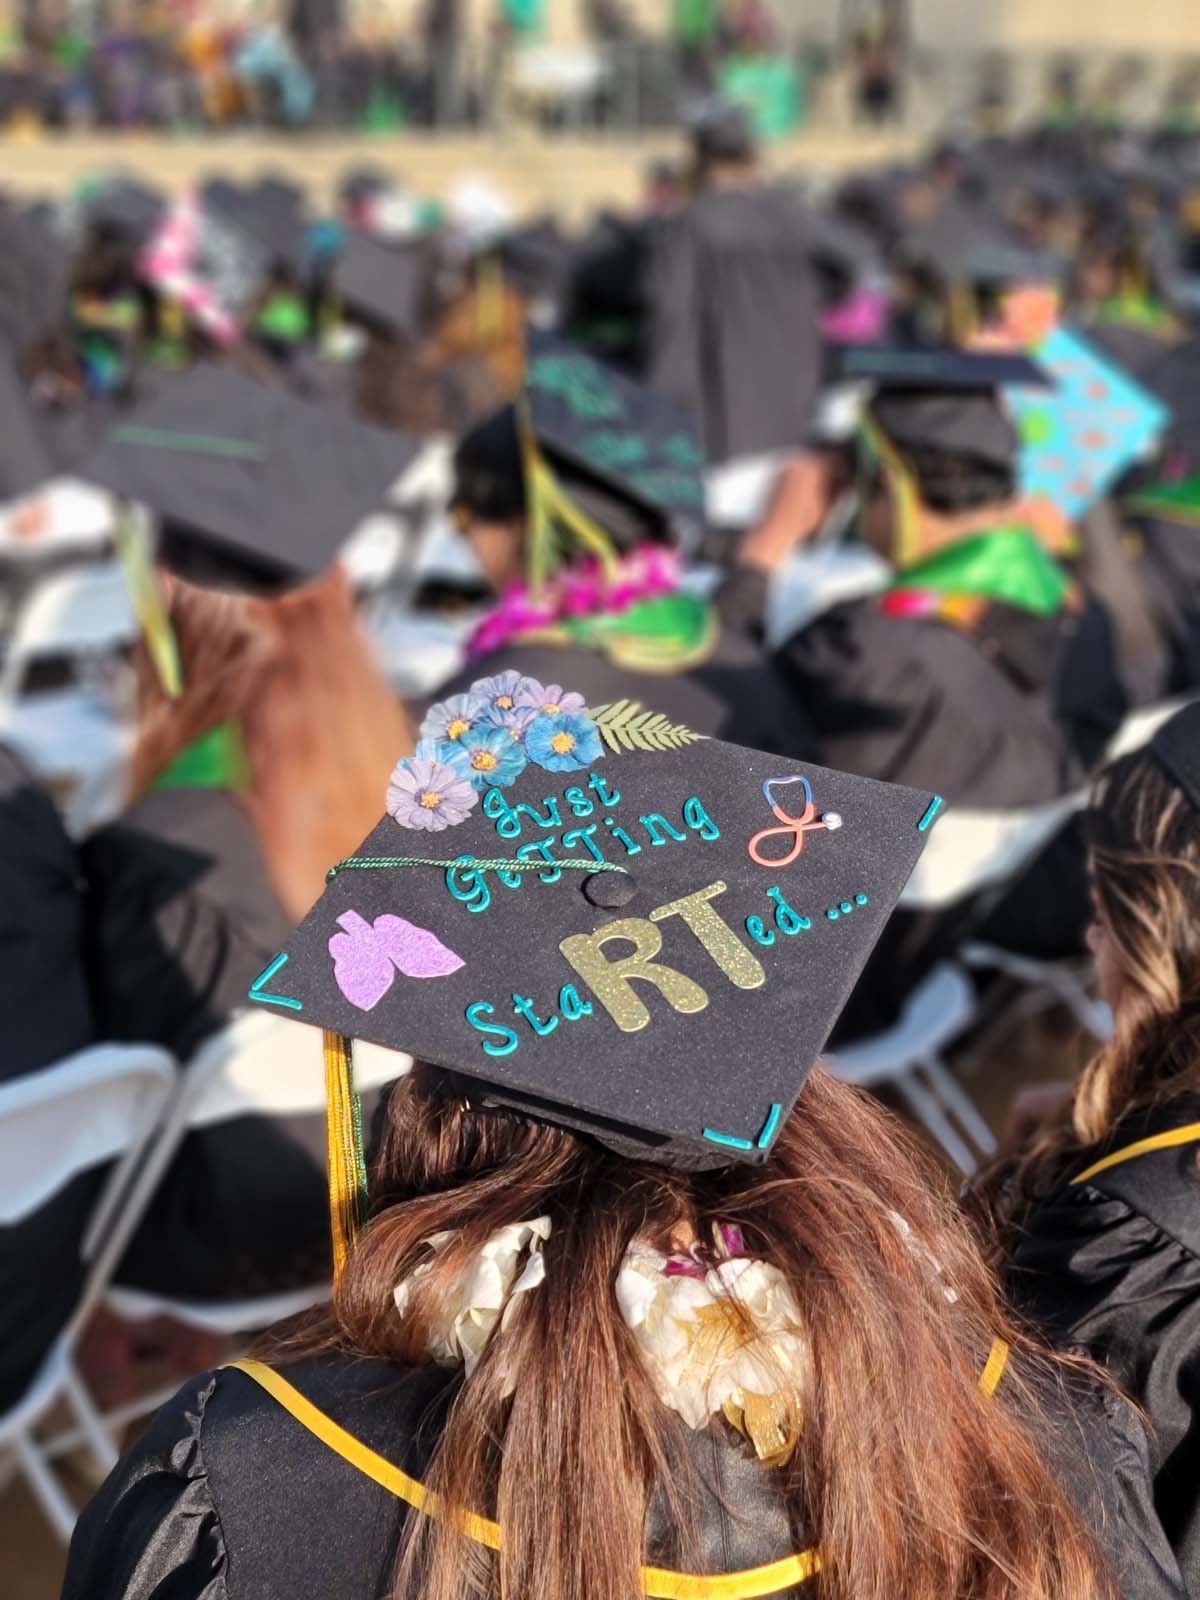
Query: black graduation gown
(47, 1016)
(733, 307)
(181, 919)
(1111, 1266)
(229, 1497)
(971, 718)
(1170, 570)
(919, 702)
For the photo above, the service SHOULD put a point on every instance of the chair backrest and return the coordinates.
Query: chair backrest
(270, 1066)
(970, 851)
(85, 1111)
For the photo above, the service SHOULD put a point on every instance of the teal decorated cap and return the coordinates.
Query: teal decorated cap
(592, 916)
(629, 459)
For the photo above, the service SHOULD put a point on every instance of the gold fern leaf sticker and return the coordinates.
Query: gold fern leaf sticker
(627, 725)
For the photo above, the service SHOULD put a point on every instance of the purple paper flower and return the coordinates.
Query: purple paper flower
(494, 757)
(563, 743)
(430, 794)
(451, 719)
(501, 692)
(367, 956)
(548, 698)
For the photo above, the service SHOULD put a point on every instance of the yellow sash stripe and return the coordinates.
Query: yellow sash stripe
(753, 1583)
(1188, 1134)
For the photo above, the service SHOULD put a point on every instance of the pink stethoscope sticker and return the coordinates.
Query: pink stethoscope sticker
(791, 827)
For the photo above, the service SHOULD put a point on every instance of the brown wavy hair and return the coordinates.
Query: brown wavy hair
(322, 727)
(1144, 849)
(909, 1477)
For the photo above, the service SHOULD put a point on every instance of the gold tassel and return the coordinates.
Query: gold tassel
(347, 1175)
(136, 561)
(551, 507)
(489, 299)
(904, 489)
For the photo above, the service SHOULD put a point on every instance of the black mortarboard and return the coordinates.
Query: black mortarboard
(624, 454)
(35, 278)
(126, 207)
(938, 367)
(602, 425)
(944, 399)
(538, 258)
(1176, 748)
(363, 182)
(256, 489)
(270, 212)
(385, 284)
(598, 919)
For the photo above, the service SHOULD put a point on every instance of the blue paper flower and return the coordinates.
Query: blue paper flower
(563, 743)
(513, 719)
(452, 719)
(502, 692)
(494, 758)
(448, 752)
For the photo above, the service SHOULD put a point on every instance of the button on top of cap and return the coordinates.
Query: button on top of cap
(609, 891)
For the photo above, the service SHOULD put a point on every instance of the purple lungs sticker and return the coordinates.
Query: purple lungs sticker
(366, 957)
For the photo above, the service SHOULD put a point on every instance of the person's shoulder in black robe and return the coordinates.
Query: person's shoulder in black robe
(181, 916)
(919, 702)
(1111, 1266)
(47, 1018)
(201, 1509)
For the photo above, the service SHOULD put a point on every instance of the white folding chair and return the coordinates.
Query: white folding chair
(105, 1104)
(910, 1057)
(259, 1064)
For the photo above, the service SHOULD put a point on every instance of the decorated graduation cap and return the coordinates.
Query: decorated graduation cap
(609, 435)
(256, 489)
(202, 256)
(594, 917)
(594, 459)
(1096, 422)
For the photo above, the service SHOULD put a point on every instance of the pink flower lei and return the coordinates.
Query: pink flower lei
(580, 590)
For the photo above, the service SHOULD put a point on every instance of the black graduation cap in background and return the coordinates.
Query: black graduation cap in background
(35, 277)
(604, 428)
(384, 284)
(597, 919)
(257, 490)
(363, 182)
(127, 207)
(538, 258)
(271, 212)
(944, 399)
(942, 367)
